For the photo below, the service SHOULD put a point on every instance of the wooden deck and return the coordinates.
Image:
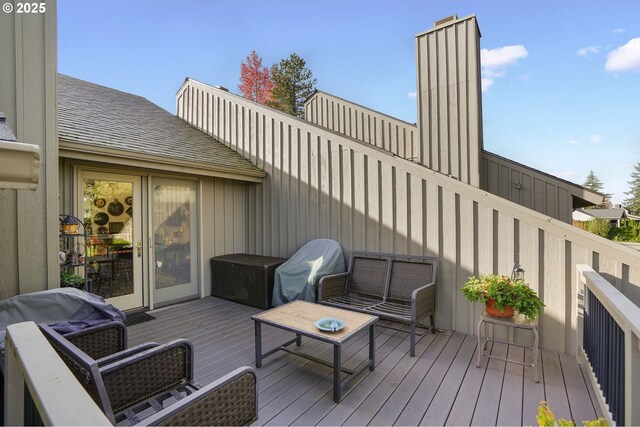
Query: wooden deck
(440, 386)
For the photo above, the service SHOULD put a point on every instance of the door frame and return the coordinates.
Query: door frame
(150, 236)
(140, 264)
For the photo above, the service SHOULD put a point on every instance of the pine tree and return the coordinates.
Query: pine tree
(593, 183)
(293, 84)
(255, 80)
(633, 202)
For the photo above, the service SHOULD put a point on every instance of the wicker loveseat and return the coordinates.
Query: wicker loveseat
(394, 287)
(158, 379)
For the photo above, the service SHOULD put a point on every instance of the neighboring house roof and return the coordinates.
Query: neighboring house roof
(94, 118)
(615, 213)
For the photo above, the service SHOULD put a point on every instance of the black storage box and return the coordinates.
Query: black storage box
(243, 278)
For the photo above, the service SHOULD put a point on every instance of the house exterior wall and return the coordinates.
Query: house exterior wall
(527, 187)
(321, 184)
(502, 177)
(450, 99)
(364, 124)
(29, 219)
(222, 213)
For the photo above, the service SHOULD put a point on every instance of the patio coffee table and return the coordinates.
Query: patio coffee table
(300, 318)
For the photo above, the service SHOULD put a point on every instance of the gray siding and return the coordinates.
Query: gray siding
(364, 124)
(529, 187)
(538, 191)
(222, 210)
(29, 219)
(450, 99)
(321, 184)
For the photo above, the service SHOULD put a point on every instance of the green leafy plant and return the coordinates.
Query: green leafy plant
(506, 292)
(545, 417)
(71, 279)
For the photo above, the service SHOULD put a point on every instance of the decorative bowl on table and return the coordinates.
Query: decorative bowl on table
(329, 324)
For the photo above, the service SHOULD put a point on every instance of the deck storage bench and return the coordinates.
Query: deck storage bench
(245, 279)
(399, 288)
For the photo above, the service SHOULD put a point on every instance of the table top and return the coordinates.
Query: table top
(517, 320)
(301, 317)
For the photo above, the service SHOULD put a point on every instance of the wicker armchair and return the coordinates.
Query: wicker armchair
(100, 340)
(159, 378)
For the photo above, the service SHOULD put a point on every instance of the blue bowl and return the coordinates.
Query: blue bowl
(329, 324)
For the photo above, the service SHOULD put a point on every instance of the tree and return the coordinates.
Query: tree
(255, 80)
(593, 183)
(633, 202)
(293, 84)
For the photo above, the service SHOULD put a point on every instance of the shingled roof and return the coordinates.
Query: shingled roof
(101, 117)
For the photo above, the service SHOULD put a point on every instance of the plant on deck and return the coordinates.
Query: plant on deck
(506, 292)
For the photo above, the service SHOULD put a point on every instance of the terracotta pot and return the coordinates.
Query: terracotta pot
(493, 311)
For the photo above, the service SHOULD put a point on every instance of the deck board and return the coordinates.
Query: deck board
(441, 385)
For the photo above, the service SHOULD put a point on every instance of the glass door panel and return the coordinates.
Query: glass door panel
(175, 237)
(110, 205)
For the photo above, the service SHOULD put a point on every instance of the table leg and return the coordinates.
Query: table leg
(372, 347)
(535, 354)
(258, 343)
(337, 362)
(298, 340)
(479, 350)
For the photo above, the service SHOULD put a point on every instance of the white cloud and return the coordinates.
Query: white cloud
(412, 95)
(585, 51)
(619, 30)
(625, 57)
(572, 142)
(495, 61)
(486, 84)
(596, 139)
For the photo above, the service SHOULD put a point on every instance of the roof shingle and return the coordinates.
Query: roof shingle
(103, 117)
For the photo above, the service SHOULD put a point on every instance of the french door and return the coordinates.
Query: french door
(174, 239)
(111, 209)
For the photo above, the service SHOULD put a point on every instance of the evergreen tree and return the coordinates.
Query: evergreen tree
(255, 80)
(633, 202)
(293, 84)
(593, 183)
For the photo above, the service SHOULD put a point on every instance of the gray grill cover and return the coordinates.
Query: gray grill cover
(297, 279)
(65, 309)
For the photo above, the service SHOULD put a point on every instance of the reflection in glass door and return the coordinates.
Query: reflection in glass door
(110, 204)
(175, 237)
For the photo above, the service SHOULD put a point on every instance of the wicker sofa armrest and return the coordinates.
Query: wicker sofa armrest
(231, 400)
(100, 340)
(142, 375)
(333, 285)
(107, 360)
(423, 301)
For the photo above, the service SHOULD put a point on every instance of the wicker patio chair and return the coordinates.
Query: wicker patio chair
(158, 378)
(100, 340)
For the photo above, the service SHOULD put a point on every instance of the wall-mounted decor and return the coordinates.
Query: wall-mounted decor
(115, 208)
(101, 218)
(100, 202)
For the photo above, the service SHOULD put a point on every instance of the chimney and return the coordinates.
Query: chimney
(618, 206)
(450, 98)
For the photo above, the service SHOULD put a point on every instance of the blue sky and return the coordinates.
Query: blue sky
(562, 79)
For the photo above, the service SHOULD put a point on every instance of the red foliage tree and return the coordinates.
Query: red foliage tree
(255, 79)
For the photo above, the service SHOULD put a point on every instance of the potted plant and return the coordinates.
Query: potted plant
(71, 280)
(505, 294)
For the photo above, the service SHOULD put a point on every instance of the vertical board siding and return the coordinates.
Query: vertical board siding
(449, 99)
(538, 191)
(363, 124)
(320, 184)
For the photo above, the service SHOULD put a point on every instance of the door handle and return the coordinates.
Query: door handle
(139, 249)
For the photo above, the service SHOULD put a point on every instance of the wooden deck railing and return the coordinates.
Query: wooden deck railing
(52, 391)
(324, 184)
(609, 343)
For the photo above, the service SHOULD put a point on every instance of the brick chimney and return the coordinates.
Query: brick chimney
(450, 98)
